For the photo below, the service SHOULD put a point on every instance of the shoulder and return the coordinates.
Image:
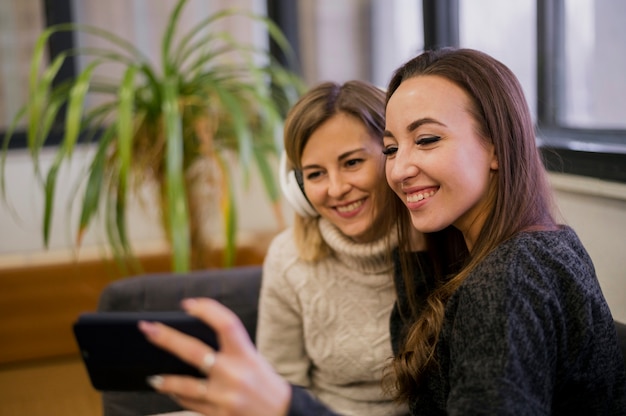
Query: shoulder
(537, 253)
(282, 262)
(282, 248)
(539, 269)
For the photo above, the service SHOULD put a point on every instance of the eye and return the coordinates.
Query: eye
(312, 175)
(353, 162)
(390, 150)
(425, 141)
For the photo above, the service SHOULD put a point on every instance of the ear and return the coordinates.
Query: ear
(293, 189)
(494, 163)
(494, 159)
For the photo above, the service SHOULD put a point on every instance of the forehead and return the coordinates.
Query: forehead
(426, 96)
(341, 131)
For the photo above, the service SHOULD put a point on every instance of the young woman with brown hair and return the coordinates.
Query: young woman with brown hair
(514, 320)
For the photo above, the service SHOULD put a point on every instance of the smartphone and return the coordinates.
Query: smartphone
(117, 355)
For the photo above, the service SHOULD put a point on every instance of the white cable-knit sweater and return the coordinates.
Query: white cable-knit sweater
(325, 325)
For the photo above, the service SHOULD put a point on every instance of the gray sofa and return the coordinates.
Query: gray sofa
(237, 288)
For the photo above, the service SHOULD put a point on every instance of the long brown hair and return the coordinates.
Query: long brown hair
(355, 98)
(519, 195)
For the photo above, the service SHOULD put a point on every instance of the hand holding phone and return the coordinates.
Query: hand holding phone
(119, 358)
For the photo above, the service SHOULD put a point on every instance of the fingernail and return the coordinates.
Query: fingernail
(148, 328)
(155, 381)
(188, 303)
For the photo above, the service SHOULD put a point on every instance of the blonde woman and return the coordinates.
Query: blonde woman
(327, 289)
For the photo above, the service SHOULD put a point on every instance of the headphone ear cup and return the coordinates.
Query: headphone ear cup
(292, 190)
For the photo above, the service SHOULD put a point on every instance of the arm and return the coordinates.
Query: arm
(280, 331)
(304, 404)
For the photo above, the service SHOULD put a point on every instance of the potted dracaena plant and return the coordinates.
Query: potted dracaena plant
(172, 126)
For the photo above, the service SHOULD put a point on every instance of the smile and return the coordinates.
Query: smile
(419, 196)
(350, 207)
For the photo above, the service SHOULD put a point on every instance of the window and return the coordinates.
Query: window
(351, 39)
(139, 21)
(570, 57)
(568, 54)
(505, 30)
(17, 40)
(21, 22)
(594, 86)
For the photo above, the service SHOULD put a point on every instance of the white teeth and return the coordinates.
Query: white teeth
(351, 207)
(419, 197)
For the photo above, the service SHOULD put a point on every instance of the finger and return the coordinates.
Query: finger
(186, 347)
(232, 335)
(179, 386)
(188, 391)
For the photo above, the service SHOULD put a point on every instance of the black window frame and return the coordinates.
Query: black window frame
(284, 13)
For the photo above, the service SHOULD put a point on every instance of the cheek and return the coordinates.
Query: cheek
(389, 177)
(477, 166)
(314, 194)
(377, 183)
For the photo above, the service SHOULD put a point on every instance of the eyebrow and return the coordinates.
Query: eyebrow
(342, 156)
(415, 125)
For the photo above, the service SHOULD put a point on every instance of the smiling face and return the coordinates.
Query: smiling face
(343, 172)
(436, 162)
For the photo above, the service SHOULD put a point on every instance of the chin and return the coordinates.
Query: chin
(425, 226)
(354, 234)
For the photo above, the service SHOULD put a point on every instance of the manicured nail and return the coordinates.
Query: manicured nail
(155, 381)
(188, 303)
(148, 328)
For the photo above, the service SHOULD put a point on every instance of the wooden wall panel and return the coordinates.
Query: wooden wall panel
(40, 302)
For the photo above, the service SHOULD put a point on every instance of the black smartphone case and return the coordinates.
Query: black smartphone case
(117, 355)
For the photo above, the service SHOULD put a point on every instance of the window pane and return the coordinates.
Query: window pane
(143, 24)
(595, 67)
(21, 22)
(507, 31)
(358, 39)
(398, 35)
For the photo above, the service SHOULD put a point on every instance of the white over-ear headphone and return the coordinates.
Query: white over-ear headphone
(294, 190)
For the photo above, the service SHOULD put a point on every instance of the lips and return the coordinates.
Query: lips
(346, 209)
(420, 195)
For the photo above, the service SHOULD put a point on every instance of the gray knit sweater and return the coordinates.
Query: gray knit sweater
(325, 325)
(528, 333)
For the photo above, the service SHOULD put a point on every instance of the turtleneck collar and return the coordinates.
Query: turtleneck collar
(370, 258)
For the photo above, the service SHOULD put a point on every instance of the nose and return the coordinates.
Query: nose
(401, 167)
(337, 185)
